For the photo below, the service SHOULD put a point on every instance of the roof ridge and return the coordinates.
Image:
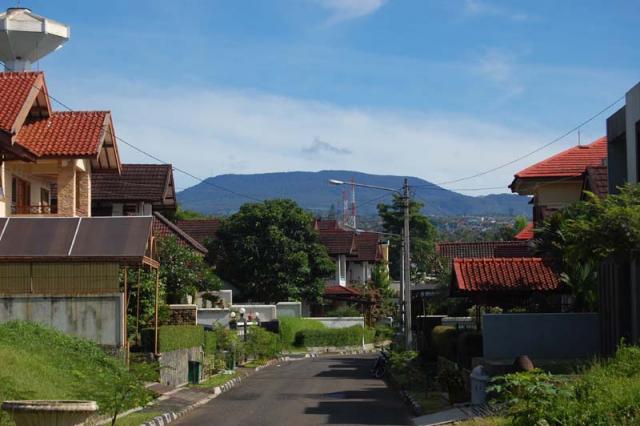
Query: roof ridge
(180, 232)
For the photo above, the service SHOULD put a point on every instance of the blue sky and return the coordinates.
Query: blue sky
(437, 89)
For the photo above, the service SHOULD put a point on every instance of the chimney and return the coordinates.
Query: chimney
(26, 37)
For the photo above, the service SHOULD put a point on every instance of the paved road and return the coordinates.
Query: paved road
(320, 391)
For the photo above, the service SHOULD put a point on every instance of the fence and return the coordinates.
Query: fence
(544, 335)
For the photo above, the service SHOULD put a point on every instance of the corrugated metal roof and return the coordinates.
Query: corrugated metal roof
(75, 239)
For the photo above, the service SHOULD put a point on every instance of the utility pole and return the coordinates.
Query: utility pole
(407, 266)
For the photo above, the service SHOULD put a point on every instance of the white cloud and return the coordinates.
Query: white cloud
(210, 132)
(344, 10)
(500, 68)
(485, 8)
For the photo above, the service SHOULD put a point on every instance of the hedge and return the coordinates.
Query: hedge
(290, 326)
(174, 337)
(262, 344)
(444, 338)
(349, 336)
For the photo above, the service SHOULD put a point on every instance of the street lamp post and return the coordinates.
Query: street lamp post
(405, 283)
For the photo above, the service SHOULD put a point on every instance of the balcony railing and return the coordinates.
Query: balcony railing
(39, 209)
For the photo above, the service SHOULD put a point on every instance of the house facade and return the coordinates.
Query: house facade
(48, 157)
(559, 181)
(355, 253)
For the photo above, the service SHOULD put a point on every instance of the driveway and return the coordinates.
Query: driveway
(320, 391)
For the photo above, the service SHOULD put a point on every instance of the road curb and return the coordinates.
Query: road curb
(415, 406)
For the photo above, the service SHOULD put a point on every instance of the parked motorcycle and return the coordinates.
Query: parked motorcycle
(380, 366)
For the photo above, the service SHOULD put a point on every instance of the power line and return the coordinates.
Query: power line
(559, 138)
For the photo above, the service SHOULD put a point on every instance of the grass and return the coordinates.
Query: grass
(42, 363)
(484, 421)
(217, 380)
(136, 419)
(254, 363)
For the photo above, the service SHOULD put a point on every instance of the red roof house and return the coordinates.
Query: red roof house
(558, 181)
(200, 229)
(48, 156)
(163, 228)
(505, 275)
(526, 233)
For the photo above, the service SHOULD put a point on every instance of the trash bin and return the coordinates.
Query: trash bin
(229, 360)
(194, 372)
(479, 380)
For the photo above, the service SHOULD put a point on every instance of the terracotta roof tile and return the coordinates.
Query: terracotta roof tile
(571, 162)
(338, 241)
(367, 247)
(163, 227)
(200, 229)
(140, 182)
(483, 249)
(326, 225)
(527, 233)
(503, 275)
(338, 290)
(64, 134)
(14, 91)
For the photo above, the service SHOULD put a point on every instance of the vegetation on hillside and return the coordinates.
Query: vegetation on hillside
(41, 363)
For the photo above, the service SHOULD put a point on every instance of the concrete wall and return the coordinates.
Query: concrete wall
(340, 322)
(174, 365)
(551, 336)
(95, 317)
(460, 322)
(267, 312)
(213, 316)
(289, 309)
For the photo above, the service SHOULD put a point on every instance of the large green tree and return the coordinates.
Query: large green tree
(588, 232)
(422, 236)
(271, 252)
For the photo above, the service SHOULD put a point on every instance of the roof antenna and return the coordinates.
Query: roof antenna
(579, 144)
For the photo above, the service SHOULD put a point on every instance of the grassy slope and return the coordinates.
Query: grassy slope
(40, 363)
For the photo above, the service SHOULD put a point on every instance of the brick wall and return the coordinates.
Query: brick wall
(183, 315)
(83, 193)
(67, 191)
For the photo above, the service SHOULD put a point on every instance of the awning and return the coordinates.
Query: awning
(126, 240)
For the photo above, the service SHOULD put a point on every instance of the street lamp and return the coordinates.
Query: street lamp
(406, 255)
(244, 322)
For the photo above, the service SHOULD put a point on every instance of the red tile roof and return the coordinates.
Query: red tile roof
(338, 290)
(326, 225)
(137, 182)
(65, 134)
(367, 247)
(503, 275)
(597, 180)
(571, 162)
(526, 233)
(15, 88)
(200, 229)
(484, 249)
(163, 227)
(338, 241)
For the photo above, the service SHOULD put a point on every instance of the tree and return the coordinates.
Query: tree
(271, 252)
(422, 238)
(183, 271)
(588, 232)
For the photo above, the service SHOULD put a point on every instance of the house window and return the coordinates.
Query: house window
(20, 196)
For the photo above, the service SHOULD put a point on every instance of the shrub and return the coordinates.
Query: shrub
(444, 338)
(403, 366)
(210, 343)
(369, 335)
(344, 311)
(607, 393)
(262, 344)
(348, 336)
(173, 337)
(290, 326)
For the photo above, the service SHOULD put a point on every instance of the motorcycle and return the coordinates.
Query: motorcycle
(380, 366)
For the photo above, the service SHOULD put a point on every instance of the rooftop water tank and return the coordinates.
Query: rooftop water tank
(26, 37)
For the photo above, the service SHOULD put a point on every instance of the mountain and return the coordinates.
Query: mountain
(312, 191)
